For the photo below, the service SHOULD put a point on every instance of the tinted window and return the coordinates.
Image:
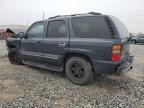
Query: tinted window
(90, 27)
(123, 31)
(57, 29)
(141, 37)
(36, 31)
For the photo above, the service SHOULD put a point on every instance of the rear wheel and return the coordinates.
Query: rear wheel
(14, 56)
(78, 70)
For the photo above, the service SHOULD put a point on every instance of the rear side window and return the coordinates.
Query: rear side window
(90, 27)
(57, 29)
(121, 28)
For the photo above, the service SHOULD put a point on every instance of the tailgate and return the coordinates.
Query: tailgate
(123, 35)
(125, 48)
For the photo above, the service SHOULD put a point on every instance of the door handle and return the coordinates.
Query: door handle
(35, 42)
(62, 44)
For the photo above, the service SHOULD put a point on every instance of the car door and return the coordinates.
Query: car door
(141, 39)
(56, 42)
(32, 45)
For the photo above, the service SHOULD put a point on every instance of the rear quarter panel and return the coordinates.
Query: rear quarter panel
(98, 49)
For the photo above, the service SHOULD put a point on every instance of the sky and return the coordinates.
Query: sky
(131, 12)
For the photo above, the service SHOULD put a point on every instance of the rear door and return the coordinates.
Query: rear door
(56, 42)
(31, 48)
(141, 39)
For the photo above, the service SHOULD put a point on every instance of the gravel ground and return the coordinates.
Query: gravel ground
(28, 87)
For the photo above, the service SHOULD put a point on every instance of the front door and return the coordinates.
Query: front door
(32, 45)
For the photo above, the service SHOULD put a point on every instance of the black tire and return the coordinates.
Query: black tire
(79, 70)
(133, 41)
(14, 56)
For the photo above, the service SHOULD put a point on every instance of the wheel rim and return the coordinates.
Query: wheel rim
(14, 57)
(77, 70)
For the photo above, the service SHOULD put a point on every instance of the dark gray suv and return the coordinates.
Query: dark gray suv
(80, 45)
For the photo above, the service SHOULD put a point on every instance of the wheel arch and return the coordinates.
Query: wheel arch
(133, 40)
(10, 46)
(69, 55)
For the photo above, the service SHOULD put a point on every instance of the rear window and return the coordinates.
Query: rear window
(90, 27)
(121, 28)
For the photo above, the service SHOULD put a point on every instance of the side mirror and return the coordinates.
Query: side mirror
(22, 35)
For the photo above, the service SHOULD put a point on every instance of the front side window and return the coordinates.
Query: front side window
(57, 29)
(36, 31)
(90, 27)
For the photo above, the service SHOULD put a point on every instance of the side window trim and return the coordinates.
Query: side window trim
(44, 29)
(47, 36)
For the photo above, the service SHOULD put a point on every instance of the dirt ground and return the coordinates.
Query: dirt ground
(26, 87)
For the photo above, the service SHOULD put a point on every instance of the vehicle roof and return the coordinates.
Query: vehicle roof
(72, 16)
(78, 15)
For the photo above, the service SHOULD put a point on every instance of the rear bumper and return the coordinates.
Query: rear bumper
(109, 67)
(125, 66)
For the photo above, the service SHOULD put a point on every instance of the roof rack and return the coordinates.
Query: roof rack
(76, 14)
(94, 13)
(54, 17)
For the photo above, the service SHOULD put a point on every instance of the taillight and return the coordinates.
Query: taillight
(116, 53)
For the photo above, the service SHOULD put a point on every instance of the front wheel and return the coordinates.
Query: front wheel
(79, 70)
(14, 56)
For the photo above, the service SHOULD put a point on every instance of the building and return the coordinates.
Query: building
(15, 28)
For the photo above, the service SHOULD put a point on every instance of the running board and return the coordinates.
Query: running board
(53, 68)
